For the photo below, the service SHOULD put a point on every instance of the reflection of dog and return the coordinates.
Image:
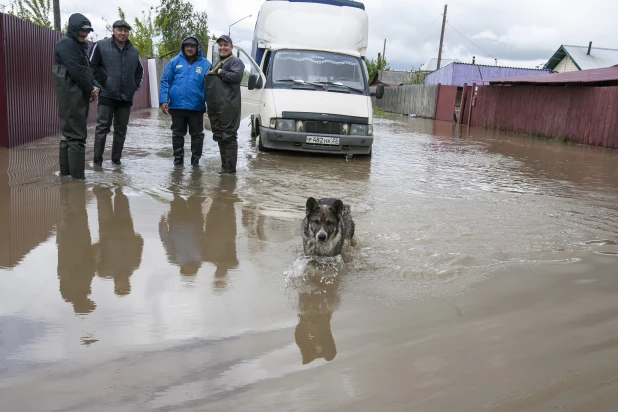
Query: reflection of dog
(327, 224)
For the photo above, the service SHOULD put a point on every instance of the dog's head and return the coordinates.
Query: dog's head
(323, 221)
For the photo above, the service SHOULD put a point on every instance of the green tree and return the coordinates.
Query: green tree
(375, 65)
(34, 11)
(416, 76)
(176, 19)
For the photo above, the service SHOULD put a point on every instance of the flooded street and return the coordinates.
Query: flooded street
(485, 277)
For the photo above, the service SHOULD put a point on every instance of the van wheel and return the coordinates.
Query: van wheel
(255, 127)
(261, 147)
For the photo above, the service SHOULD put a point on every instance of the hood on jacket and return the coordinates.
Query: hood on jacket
(76, 22)
(199, 49)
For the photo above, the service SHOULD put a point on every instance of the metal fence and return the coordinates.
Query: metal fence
(587, 115)
(27, 101)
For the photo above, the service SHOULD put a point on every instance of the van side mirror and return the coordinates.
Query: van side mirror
(255, 82)
(380, 91)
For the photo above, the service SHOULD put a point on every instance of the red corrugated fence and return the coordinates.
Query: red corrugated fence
(587, 115)
(27, 101)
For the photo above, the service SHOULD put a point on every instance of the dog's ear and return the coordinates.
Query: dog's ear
(312, 206)
(337, 207)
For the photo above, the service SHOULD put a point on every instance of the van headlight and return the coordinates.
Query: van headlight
(359, 129)
(286, 125)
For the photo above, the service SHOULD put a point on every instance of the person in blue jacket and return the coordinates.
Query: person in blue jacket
(182, 95)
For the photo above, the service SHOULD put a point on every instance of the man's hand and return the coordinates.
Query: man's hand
(165, 108)
(219, 71)
(94, 93)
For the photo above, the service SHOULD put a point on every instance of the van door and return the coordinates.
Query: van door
(251, 99)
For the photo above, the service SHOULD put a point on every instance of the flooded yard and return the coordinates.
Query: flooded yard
(485, 277)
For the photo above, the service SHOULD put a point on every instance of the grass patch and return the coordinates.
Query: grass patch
(378, 112)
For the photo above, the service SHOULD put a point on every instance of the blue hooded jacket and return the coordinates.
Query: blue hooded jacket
(182, 83)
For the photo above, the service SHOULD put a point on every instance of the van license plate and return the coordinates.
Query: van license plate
(334, 141)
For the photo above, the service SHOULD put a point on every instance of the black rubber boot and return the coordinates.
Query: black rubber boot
(64, 158)
(77, 158)
(222, 153)
(178, 144)
(197, 145)
(231, 155)
(99, 148)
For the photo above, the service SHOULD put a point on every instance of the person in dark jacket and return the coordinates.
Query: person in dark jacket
(75, 86)
(224, 102)
(117, 67)
(182, 95)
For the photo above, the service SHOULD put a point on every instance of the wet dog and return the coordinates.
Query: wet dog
(327, 224)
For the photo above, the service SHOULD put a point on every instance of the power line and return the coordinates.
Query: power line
(471, 42)
(425, 31)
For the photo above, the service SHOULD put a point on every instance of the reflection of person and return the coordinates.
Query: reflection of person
(313, 333)
(182, 230)
(118, 69)
(75, 86)
(182, 95)
(219, 246)
(119, 251)
(224, 102)
(76, 263)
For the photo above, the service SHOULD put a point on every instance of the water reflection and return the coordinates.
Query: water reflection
(318, 299)
(119, 251)
(182, 230)
(219, 246)
(76, 262)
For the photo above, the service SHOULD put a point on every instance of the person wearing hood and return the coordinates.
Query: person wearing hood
(117, 67)
(182, 95)
(224, 102)
(75, 87)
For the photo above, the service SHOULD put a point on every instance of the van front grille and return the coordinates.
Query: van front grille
(323, 127)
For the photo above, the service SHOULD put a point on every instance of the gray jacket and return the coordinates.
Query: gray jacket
(120, 72)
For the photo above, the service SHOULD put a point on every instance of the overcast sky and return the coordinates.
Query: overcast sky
(521, 33)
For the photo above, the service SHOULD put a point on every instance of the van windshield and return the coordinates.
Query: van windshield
(317, 70)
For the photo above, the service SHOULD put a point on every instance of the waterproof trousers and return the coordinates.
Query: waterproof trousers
(194, 121)
(72, 156)
(106, 115)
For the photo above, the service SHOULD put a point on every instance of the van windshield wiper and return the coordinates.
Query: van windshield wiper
(290, 81)
(337, 84)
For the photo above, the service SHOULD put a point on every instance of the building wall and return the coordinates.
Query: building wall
(27, 100)
(565, 65)
(456, 74)
(442, 76)
(587, 115)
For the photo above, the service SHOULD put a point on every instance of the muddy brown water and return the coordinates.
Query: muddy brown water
(486, 278)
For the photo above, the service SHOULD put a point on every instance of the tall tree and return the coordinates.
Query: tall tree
(176, 19)
(34, 11)
(375, 65)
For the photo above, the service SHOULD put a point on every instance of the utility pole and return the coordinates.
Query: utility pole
(383, 61)
(442, 37)
(57, 26)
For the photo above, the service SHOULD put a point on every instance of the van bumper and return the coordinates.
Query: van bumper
(297, 141)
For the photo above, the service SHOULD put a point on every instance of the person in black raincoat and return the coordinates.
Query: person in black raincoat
(223, 102)
(75, 87)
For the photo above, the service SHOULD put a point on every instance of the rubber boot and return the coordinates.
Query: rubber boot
(222, 152)
(117, 147)
(64, 158)
(178, 144)
(231, 155)
(197, 145)
(77, 158)
(99, 148)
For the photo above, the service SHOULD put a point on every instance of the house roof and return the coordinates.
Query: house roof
(598, 58)
(604, 76)
(433, 64)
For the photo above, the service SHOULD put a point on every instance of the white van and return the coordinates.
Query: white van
(309, 90)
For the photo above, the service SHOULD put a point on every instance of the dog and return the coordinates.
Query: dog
(327, 225)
